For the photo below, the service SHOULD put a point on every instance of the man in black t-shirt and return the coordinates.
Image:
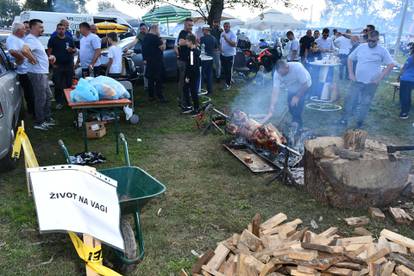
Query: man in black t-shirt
(305, 44)
(62, 47)
(210, 45)
(152, 53)
(182, 51)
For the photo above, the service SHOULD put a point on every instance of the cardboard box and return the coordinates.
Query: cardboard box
(95, 130)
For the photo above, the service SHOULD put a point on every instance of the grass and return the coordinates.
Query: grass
(209, 196)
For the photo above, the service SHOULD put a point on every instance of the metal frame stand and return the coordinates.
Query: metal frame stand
(285, 175)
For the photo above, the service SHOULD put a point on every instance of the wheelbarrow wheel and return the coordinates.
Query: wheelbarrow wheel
(130, 246)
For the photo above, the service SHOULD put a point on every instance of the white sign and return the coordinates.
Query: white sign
(78, 199)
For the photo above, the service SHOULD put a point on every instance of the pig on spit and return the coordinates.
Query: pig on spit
(262, 136)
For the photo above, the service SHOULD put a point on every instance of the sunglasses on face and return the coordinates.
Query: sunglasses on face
(372, 40)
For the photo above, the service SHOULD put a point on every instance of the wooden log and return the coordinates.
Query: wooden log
(219, 257)
(355, 240)
(323, 248)
(212, 271)
(387, 268)
(355, 139)
(402, 270)
(353, 183)
(361, 231)
(245, 267)
(304, 255)
(401, 260)
(376, 213)
(400, 216)
(377, 255)
(256, 225)
(250, 240)
(273, 221)
(357, 221)
(349, 265)
(329, 232)
(202, 261)
(277, 229)
(340, 271)
(397, 238)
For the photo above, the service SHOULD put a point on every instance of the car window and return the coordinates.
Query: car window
(170, 44)
(3, 63)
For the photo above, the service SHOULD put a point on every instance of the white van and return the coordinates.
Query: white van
(51, 19)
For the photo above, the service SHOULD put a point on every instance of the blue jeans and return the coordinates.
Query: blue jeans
(405, 95)
(359, 94)
(207, 74)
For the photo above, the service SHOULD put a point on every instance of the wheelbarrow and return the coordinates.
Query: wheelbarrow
(135, 188)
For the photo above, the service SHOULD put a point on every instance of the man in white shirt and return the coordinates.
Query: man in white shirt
(344, 45)
(90, 51)
(38, 70)
(292, 47)
(296, 79)
(114, 66)
(14, 44)
(369, 57)
(228, 43)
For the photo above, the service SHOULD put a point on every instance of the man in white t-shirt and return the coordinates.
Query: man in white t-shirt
(296, 80)
(14, 44)
(292, 47)
(114, 66)
(344, 44)
(228, 43)
(38, 70)
(369, 57)
(90, 51)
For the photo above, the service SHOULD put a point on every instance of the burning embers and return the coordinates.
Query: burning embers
(265, 137)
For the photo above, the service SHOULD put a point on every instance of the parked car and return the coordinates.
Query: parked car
(10, 110)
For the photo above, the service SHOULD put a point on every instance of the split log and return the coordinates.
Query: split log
(355, 139)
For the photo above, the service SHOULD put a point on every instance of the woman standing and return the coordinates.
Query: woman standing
(406, 79)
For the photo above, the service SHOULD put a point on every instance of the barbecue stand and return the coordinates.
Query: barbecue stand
(212, 116)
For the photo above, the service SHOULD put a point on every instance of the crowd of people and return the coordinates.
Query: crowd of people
(360, 55)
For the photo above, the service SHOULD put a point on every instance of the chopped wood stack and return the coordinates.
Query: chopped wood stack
(277, 247)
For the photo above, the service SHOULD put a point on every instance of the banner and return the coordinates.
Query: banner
(79, 199)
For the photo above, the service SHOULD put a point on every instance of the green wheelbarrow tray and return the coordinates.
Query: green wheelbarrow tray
(135, 188)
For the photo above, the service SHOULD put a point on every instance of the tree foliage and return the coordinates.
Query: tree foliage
(8, 10)
(103, 5)
(384, 14)
(55, 5)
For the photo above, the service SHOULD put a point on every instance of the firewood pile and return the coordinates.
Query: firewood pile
(278, 247)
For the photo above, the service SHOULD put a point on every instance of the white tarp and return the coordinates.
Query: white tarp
(79, 199)
(274, 20)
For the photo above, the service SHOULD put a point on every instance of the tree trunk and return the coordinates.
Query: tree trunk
(216, 10)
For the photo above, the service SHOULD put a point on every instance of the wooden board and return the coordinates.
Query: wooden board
(258, 165)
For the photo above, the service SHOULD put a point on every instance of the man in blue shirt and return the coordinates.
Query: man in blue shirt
(406, 78)
(210, 45)
(228, 42)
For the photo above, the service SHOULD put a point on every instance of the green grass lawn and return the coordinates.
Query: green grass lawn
(209, 196)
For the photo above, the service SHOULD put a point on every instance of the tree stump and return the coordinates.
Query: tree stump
(369, 180)
(355, 139)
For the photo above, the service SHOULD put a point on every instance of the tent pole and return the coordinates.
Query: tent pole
(168, 27)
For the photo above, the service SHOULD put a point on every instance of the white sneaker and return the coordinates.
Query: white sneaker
(50, 122)
(41, 126)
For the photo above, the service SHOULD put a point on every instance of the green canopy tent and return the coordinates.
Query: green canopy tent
(166, 14)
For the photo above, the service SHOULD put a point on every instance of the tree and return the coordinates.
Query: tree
(209, 9)
(55, 5)
(103, 5)
(8, 10)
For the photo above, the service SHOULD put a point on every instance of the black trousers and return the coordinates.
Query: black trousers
(27, 92)
(226, 67)
(192, 88)
(62, 77)
(296, 111)
(405, 95)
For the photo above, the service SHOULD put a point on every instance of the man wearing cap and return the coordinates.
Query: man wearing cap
(209, 44)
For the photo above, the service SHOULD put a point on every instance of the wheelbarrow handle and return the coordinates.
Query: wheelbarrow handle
(126, 151)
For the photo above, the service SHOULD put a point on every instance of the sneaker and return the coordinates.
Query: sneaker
(186, 110)
(403, 116)
(50, 122)
(59, 106)
(226, 87)
(41, 126)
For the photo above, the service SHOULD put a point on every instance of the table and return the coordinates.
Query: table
(115, 106)
(323, 74)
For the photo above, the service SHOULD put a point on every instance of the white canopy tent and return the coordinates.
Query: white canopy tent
(196, 16)
(114, 12)
(274, 20)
